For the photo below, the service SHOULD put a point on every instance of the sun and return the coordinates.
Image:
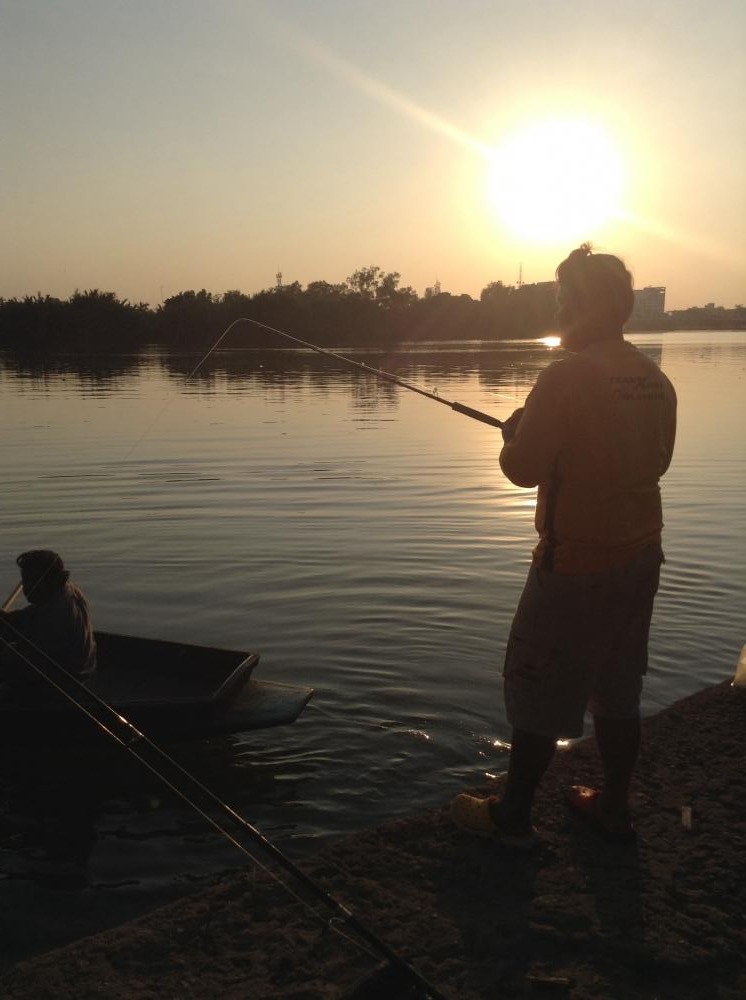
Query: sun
(556, 180)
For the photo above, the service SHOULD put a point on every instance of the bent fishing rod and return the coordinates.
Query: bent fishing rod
(123, 732)
(467, 411)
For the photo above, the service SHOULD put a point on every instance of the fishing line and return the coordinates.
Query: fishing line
(136, 738)
(189, 377)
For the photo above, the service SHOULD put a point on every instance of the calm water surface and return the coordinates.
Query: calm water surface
(362, 539)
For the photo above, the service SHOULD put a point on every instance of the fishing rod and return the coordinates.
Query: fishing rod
(11, 598)
(467, 411)
(116, 726)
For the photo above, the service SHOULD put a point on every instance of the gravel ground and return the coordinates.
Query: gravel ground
(578, 918)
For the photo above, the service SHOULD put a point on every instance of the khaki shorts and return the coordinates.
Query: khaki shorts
(580, 642)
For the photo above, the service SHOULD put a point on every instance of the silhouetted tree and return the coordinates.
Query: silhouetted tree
(365, 281)
(188, 317)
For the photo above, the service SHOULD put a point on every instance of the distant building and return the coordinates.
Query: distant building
(650, 305)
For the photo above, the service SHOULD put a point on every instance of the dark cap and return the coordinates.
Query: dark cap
(42, 562)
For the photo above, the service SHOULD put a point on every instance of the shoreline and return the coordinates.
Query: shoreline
(578, 918)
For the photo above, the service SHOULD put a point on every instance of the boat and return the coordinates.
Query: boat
(171, 691)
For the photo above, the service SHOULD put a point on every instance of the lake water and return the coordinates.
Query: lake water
(362, 539)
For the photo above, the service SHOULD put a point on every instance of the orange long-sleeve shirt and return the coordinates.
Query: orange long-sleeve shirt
(596, 434)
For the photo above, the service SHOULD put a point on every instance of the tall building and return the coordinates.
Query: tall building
(650, 304)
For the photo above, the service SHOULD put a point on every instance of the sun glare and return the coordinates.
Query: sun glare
(556, 180)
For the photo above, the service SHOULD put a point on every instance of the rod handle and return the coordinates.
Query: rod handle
(11, 598)
(476, 415)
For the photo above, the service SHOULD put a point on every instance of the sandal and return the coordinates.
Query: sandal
(475, 816)
(584, 802)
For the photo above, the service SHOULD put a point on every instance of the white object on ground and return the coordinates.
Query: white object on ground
(740, 677)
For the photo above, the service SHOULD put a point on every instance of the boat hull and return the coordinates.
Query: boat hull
(167, 690)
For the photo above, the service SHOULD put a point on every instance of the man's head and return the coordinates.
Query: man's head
(595, 297)
(42, 574)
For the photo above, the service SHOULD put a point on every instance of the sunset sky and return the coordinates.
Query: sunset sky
(152, 146)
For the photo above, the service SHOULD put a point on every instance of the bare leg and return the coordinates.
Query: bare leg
(619, 744)
(530, 756)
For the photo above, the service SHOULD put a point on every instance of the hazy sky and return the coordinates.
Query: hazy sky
(151, 146)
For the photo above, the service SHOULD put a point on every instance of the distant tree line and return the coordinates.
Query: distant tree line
(370, 308)
(90, 319)
(709, 317)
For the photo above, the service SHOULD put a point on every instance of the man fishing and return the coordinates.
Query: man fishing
(595, 435)
(55, 626)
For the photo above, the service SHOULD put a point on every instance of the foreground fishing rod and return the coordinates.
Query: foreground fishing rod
(137, 744)
(11, 598)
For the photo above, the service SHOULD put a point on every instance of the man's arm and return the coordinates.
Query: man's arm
(669, 430)
(534, 434)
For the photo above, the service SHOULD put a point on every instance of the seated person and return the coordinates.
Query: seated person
(56, 622)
